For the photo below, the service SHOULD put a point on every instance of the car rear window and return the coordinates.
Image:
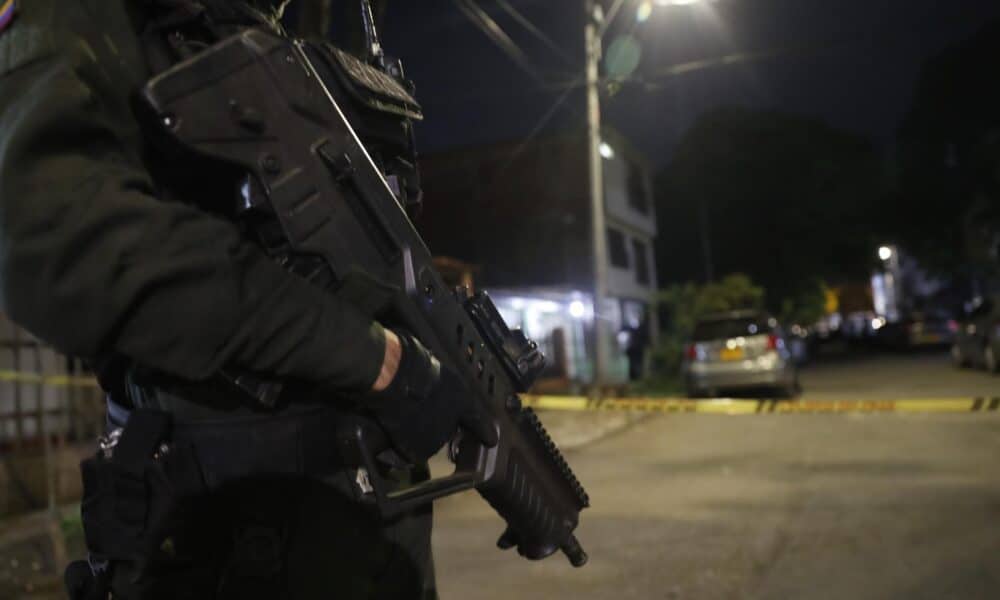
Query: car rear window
(729, 328)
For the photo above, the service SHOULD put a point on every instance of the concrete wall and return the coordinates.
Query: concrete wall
(623, 178)
(623, 283)
(626, 185)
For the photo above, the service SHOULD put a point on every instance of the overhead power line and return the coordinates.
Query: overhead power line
(525, 22)
(481, 19)
(885, 33)
(610, 17)
(537, 129)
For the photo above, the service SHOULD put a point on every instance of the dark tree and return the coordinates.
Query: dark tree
(949, 156)
(785, 199)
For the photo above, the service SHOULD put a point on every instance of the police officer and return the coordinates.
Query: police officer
(105, 254)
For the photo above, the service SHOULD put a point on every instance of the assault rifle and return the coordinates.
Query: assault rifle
(284, 112)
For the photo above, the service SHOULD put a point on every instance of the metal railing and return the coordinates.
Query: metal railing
(49, 415)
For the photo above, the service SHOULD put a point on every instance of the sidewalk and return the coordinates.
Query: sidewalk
(33, 554)
(573, 429)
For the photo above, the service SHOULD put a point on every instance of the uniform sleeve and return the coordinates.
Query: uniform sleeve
(91, 261)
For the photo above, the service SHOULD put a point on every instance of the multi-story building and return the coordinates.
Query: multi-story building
(520, 212)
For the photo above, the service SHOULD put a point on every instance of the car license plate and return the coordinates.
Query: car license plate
(731, 354)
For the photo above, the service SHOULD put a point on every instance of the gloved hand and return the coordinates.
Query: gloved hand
(426, 403)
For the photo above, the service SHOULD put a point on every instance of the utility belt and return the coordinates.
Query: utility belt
(299, 443)
(150, 466)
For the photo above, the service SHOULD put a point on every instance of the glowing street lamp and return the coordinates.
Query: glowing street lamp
(645, 9)
(885, 252)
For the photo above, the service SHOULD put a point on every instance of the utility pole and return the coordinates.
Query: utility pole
(594, 24)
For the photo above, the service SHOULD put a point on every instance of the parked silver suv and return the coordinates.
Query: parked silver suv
(736, 351)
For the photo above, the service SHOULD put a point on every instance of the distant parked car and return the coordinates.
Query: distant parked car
(739, 350)
(921, 329)
(978, 340)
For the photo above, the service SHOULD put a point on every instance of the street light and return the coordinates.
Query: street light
(645, 9)
(891, 277)
(596, 24)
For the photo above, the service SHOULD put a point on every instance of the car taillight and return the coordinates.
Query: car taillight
(691, 352)
(772, 342)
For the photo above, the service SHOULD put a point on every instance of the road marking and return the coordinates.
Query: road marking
(733, 406)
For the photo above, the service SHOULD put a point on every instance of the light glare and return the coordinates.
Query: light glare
(644, 11)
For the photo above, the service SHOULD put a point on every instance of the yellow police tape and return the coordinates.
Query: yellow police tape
(720, 406)
(42, 379)
(730, 406)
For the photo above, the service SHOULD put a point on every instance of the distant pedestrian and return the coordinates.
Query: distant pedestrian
(635, 350)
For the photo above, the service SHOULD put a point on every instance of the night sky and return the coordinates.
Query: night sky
(852, 63)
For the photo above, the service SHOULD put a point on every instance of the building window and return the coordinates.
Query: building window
(641, 262)
(617, 251)
(637, 189)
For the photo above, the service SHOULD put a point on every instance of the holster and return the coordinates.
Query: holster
(131, 487)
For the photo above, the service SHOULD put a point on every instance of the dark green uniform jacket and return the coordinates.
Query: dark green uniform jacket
(93, 262)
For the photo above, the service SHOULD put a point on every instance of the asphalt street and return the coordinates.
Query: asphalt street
(770, 506)
(894, 376)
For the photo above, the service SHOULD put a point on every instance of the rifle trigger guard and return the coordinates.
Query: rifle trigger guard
(364, 440)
